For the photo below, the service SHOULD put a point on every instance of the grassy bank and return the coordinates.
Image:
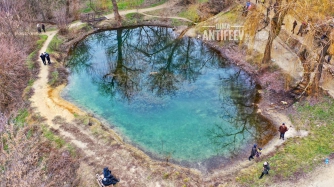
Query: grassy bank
(54, 44)
(33, 66)
(33, 56)
(108, 7)
(299, 155)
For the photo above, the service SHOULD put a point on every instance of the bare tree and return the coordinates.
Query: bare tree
(118, 17)
(280, 10)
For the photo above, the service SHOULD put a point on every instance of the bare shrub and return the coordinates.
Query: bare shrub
(57, 75)
(62, 21)
(213, 7)
(19, 157)
(14, 75)
(61, 169)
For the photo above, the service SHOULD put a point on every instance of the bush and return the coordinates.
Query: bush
(58, 76)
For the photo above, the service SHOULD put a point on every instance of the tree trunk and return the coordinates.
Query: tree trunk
(275, 28)
(267, 51)
(75, 9)
(318, 71)
(67, 8)
(118, 18)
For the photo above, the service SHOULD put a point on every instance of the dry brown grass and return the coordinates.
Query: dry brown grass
(27, 159)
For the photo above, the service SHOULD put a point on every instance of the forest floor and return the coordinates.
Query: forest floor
(132, 166)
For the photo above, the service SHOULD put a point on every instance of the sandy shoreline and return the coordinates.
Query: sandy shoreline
(276, 118)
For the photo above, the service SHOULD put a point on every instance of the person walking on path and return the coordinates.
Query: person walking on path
(282, 129)
(294, 26)
(43, 58)
(253, 152)
(43, 27)
(39, 28)
(301, 29)
(266, 169)
(47, 56)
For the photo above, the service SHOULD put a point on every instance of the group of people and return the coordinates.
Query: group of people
(303, 29)
(39, 28)
(249, 6)
(108, 178)
(256, 151)
(45, 56)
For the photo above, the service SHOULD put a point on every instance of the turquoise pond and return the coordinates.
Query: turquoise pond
(171, 97)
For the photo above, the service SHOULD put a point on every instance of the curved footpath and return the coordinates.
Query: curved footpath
(49, 104)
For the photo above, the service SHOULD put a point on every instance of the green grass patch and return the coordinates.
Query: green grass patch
(158, 3)
(21, 117)
(128, 4)
(71, 149)
(191, 13)
(32, 55)
(299, 155)
(176, 22)
(132, 18)
(108, 7)
(54, 77)
(54, 44)
(59, 142)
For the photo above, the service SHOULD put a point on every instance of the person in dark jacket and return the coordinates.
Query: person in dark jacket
(282, 129)
(39, 28)
(108, 178)
(43, 58)
(301, 29)
(294, 26)
(253, 152)
(266, 169)
(47, 56)
(43, 27)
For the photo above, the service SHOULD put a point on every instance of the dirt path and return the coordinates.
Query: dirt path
(167, 4)
(48, 103)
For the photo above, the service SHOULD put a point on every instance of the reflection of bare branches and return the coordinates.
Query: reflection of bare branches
(131, 54)
(163, 82)
(238, 112)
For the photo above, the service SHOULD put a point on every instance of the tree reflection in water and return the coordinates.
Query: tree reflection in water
(241, 95)
(135, 60)
(143, 58)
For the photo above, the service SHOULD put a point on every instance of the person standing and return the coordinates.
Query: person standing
(39, 28)
(266, 169)
(253, 152)
(43, 27)
(294, 26)
(248, 4)
(301, 29)
(43, 58)
(47, 56)
(282, 129)
(329, 58)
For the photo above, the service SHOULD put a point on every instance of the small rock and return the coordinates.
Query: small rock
(284, 102)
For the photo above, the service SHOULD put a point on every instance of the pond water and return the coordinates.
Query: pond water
(171, 97)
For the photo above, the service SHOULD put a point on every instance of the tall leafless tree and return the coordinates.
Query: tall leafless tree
(118, 17)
